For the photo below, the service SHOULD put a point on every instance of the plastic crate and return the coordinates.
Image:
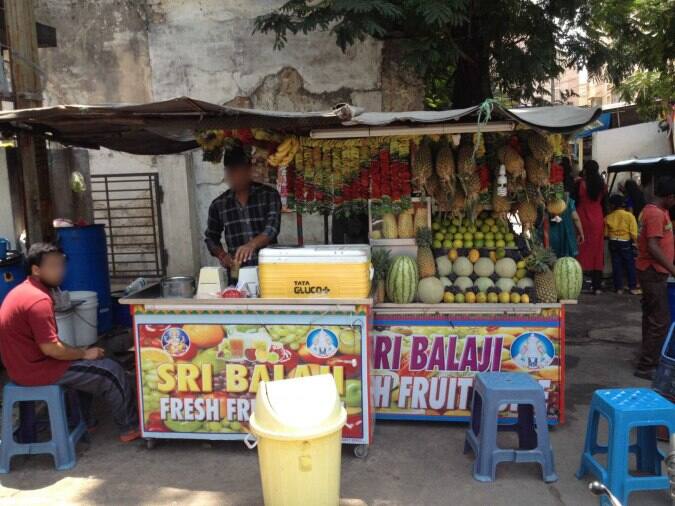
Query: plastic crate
(664, 379)
(671, 298)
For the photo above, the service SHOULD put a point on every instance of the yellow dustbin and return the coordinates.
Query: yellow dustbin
(298, 424)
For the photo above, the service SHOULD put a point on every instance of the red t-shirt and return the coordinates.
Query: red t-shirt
(26, 320)
(654, 222)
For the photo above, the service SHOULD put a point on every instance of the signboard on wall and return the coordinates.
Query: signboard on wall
(424, 368)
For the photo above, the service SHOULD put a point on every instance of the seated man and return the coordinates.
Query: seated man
(34, 355)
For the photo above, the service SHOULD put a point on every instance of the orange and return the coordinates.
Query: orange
(204, 336)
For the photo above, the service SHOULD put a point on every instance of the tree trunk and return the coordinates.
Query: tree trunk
(471, 81)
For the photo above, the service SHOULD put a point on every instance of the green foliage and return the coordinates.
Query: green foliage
(509, 43)
(631, 43)
(381, 260)
(469, 50)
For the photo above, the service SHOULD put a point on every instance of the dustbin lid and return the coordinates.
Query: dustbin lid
(298, 408)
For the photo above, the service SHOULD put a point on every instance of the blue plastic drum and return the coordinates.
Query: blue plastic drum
(12, 272)
(87, 255)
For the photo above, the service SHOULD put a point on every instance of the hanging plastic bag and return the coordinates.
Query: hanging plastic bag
(77, 182)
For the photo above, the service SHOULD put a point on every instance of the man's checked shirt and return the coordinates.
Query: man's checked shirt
(239, 224)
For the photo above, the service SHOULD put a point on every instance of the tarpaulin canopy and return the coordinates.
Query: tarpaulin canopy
(169, 126)
(641, 164)
(557, 118)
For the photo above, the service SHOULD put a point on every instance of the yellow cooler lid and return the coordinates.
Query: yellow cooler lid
(333, 254)
(298, 408)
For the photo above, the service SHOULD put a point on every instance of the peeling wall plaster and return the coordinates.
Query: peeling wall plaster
(144, 50)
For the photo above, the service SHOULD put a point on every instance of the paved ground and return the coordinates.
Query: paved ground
(409, 464)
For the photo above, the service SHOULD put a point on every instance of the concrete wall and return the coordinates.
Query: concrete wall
(635, 141)
(136, 51)
(7, 230)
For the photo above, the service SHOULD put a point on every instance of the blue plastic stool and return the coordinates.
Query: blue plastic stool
(62, 444)
(624, 409)
(491, 391)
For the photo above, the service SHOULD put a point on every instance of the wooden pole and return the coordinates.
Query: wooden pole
(27, 88)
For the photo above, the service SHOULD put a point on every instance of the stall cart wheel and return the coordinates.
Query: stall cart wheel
(361, 451)
(150, 443)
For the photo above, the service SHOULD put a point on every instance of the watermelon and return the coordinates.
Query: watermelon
(568, 278)
(402, 280)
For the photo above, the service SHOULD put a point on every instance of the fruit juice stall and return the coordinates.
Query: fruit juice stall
(459, 207)
(459, 217)
(200, 360)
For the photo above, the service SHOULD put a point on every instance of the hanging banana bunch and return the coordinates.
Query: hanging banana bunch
(285, 153)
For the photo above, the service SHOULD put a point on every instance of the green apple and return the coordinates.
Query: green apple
(177, 426)
(439, 236)
(353, 393)
(478, 235)
(435, 226)
(447, 244)
(210, 356)
(349, 342)
(437, 244)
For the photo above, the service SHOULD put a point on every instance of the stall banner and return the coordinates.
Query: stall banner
(199, 379)
(424, 369)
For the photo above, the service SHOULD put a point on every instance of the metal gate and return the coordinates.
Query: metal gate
(129, 207)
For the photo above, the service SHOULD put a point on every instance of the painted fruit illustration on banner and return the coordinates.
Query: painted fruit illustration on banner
(427, 368)
(204, 377)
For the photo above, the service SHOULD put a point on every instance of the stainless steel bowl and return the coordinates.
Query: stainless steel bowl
(178, 287)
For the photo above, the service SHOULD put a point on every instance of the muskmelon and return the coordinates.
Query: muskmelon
(443, 266)
(463, 283)
(568, 278)
(430, 290)
(506, 268)
(525, 283)
(484, 267)
(505, 284)
(483, 284)
(402, 280)
(462, 267)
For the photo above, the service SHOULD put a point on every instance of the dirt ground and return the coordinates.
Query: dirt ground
(409, 463)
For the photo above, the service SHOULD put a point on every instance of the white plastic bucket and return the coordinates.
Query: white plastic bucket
(86, 320)
(65, 326)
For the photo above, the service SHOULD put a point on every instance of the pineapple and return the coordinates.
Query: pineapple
(500, 205)
(515, 166)
(527, 212)
(423, 163)
(541, 261)
(406, 230)
(389, 226)
(445, 167)
(458, 203)
(421, 218)
(381, 259)
(426, 265)
(539, 146)
(465, 163)
(433, 188)
(537, 171)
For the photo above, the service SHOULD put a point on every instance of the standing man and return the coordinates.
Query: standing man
(34, 355)
(654, 264)
(248, 214)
